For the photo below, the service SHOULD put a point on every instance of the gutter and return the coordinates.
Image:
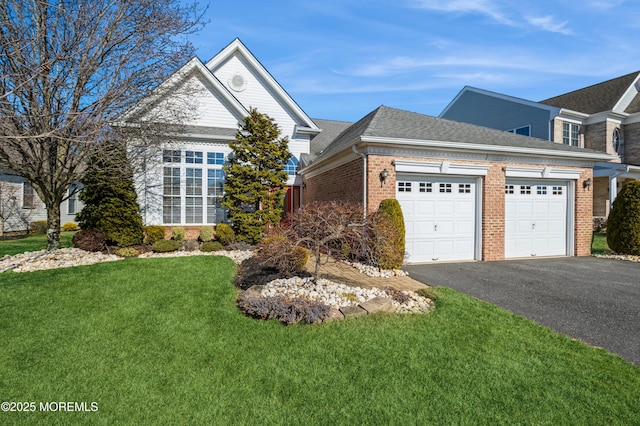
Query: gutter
(364, 181)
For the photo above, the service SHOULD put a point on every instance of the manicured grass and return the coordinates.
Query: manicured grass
(159, 341)
(31, 243)
(599, 243)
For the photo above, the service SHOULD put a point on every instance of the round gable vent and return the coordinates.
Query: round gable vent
(237, 82)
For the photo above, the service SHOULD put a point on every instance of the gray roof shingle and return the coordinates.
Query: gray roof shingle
(597, 98)
(386, 122)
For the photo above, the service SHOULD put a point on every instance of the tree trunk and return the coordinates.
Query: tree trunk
(53, 226)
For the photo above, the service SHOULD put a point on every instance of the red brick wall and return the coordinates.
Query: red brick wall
(584, 215)
(345, 183)
(493, 213)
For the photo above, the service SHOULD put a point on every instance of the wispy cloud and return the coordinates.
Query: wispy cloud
(510, 14)
(549, 23)
(484, 7)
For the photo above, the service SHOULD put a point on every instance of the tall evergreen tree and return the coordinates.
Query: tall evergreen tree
(255, 178)
(110, 200)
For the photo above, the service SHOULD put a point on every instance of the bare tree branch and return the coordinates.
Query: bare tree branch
(70, 67)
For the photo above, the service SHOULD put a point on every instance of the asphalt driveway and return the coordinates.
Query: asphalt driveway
(594, 300)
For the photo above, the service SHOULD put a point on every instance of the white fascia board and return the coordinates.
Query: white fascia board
(482, 148)
(617, 170)
(303, 130)
(604, 116)
(541, 173)
(569, 114)
(237, 46)
(628, 96)
(441, 167)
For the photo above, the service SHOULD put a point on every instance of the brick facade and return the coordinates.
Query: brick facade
(631, 137)
(345, 183)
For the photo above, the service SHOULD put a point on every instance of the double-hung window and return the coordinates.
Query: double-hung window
(571, 134)
(28, 196)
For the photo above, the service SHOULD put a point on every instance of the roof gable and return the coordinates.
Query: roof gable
(201, 85)
(248, 81)
(601, 97)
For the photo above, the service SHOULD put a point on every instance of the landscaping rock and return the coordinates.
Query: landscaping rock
(352, 311)
(254, 291)
(378, 304)
(334, 315)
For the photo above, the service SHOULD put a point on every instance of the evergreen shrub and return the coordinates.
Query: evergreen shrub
(177, 233)
(153, 233)
(109, 196)
(210, 246)
(390, 239)
(127, 252)
(206, 233)
(623, 225)
(225, 234)
(164, 246)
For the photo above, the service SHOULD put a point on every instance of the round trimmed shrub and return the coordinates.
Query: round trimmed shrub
(89, 240)
(206, 233)
(164, 246)
(225, 234)
(177, 233)
(153, 233)
(623, 225)
(210, 246)
(70, 226)
(127, 252)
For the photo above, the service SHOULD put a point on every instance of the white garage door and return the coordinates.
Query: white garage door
(536, 218)
(440, 217)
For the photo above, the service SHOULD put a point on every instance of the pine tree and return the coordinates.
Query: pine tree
(255, 178)
(110, 200)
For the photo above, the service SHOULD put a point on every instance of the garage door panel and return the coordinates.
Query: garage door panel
(536, 219)
(440, 217)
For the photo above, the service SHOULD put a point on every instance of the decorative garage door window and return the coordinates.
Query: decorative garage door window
(535, 219)
(440, 217)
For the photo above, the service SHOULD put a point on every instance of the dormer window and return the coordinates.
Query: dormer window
(571, 134)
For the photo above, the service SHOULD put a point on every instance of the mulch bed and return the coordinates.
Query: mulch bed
(253, 272)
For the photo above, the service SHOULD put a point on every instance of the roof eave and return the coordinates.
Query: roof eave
(491, 149)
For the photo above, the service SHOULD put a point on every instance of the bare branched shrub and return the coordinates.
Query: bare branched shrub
(286, 310)
(278, 251)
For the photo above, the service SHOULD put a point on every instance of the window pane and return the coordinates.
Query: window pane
(215, 158)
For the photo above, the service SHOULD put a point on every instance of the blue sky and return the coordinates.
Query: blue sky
(340, 59)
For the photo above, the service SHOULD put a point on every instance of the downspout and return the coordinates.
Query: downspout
(364, 181)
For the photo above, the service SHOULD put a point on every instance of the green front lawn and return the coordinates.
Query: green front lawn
(160, 341)
(31, 243)
(599, 243)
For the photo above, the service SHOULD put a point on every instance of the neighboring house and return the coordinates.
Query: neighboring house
(604, 117)
(20, 205)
